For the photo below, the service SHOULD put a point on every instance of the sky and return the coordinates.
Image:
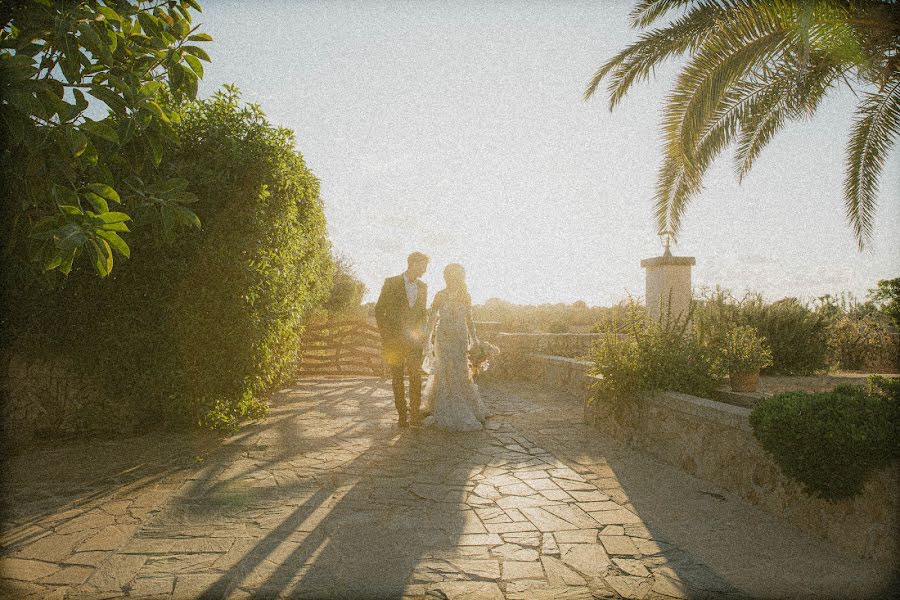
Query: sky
(458, 129)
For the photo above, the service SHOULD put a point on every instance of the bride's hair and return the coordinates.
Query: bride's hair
(455, 278)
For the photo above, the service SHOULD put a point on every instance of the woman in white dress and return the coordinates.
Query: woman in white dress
(450, 396)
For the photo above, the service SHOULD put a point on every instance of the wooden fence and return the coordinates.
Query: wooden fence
(340, 349)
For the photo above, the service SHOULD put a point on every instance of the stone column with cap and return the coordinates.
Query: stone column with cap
(668, 285)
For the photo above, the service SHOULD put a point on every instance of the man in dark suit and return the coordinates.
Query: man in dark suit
(401, 313)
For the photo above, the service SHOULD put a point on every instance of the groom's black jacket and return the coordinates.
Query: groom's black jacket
(402, 326)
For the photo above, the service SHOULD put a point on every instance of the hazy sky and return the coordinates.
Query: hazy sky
(458, 129)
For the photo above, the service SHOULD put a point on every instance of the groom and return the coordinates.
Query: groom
(401, 315)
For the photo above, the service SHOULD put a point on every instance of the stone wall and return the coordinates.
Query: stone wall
(571, 345)
(41, 398)
(713, 441)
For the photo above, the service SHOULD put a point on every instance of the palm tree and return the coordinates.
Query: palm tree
(755, 64)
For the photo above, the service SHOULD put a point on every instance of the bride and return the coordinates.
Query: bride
(450, 396)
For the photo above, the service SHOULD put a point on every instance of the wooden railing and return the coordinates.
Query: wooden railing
(351, 348)
(340, 349)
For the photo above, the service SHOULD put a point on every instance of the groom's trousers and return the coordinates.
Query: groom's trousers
(410, 366)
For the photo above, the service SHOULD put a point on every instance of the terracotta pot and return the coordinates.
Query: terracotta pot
(744, 382)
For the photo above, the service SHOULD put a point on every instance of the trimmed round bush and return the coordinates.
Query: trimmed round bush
(830, 442)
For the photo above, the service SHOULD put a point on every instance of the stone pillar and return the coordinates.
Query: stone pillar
(668, 285)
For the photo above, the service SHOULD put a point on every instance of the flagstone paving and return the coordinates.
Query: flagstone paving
(326, 498)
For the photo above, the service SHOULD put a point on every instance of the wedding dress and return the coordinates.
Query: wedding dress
(450, 395)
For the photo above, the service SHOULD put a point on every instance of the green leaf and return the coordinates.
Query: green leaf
(67, 258)
(148, 22)
(114, 217)
(113, 38)
(101, 130)
(44, 227)
(176, 78)
(70, 62)
(181, 28)
(197, 51)
(65, 195)
(77, 141)
(103, 258)
(115, 241)
(54, 261)
(113, 226)
(200, 37)
(70, 209)
(195, 64)
(185, 216)
(155, 146)
(191, 81)
(81, 102)
(110, 98)
(97, 202)
(151, 88)
(109, 13)
(157, 110)
(92, 42)
(104, 191)
(70, 236)
(183, 197)
(30, 49)
(176, 184)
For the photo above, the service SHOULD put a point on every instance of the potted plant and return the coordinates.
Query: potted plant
(743, 354)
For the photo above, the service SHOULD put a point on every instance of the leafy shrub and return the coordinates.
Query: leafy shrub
(648, 357)
(743, 351)
(200, 328)
(860, 343)
(796, 334)
(348, 291)
(831, 441)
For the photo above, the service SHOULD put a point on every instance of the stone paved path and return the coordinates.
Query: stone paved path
(327, 499)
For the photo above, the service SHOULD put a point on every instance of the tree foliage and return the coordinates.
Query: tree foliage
(546, 318)
(88, 97)
(202, 328)
(886, 297)
(753, 66)
(347, 292)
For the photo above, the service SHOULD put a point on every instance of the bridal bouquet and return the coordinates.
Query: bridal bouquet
(480, 355)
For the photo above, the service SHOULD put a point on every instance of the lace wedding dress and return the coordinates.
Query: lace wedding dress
(450, 395)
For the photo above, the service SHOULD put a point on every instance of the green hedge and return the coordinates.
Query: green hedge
(201, 328)
(830, 442)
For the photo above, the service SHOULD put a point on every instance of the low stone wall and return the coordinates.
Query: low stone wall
(714, 442)
(46, 398)
(571, 345)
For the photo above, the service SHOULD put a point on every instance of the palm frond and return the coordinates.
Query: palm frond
(637, 61)
(787, 94)
(877, 125)
(755, 65)
(701, 92)
(728, 86)
(647, 12)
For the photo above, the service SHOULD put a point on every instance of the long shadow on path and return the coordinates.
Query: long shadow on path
(355, 508)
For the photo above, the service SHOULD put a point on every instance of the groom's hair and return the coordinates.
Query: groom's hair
(417, 257)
